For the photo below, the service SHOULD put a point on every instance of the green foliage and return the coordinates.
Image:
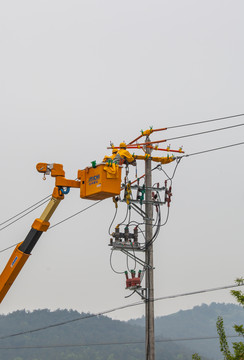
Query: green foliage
(198, 322)
(196, 357)
(238, 347)
(224, 347)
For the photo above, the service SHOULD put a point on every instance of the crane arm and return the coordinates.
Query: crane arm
(23, 250)
(94, 183)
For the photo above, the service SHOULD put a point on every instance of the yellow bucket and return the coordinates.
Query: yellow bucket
(98, 184)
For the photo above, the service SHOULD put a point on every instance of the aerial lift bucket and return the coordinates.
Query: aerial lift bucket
(97, 183)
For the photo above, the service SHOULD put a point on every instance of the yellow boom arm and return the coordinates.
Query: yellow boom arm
(94, 183)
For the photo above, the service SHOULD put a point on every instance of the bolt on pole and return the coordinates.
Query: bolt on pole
(149, 311)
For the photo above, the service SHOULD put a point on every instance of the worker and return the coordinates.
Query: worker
(124, 156)
(108, 158)
(111, 168)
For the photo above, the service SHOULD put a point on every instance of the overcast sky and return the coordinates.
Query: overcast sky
(75, 75)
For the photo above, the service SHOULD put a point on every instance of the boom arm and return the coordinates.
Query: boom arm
(94, 183)
(23, 250)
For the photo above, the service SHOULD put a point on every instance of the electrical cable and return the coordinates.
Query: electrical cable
(115, 271)
(60, 222)
(109, 229)
(14, 221)
(205, 121)
(167, 218)
(123, 222)
(155, 235)
(204, 132)
(129, 215)
(112, 343)
(120, 308)
(209, 150)
(127, 258)
(10, 247)
(25, 210)
(77, 213)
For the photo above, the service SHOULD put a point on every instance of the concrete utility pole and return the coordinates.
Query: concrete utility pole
(149, 311)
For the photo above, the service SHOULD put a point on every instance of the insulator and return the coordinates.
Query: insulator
(116, 234)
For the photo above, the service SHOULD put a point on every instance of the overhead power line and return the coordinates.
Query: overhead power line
(14, 221)
(210, 150)
(25, 212)
(204, 132)
(205, 121)
(10, 247)
(60, 222)
(119, 308)
(77, 213)
(111, 343)
(38, 202)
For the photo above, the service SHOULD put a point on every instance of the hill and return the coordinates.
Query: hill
(93, 331)
(198, 322)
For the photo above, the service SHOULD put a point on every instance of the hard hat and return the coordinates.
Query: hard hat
(114, 151)
(122, 145)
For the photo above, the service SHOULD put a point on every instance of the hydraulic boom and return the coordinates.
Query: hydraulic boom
(93, 184)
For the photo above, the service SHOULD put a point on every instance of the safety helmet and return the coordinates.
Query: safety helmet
(114, 151)
(122, 145)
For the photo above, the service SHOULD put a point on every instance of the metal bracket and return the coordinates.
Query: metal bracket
(126, 245)
(138, 260)
(143, 293)
(139, 210)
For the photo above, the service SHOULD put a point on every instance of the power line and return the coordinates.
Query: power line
(204, 132)
(214, 149)
(111, 343)
(10, 247)
(60, 222)
(77, 213)
(43, 201)
(205, 121)
(38, 202)
(119, 308)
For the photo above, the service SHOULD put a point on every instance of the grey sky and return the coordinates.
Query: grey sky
(75, 75)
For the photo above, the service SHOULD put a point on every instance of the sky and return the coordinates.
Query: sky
(75, 75)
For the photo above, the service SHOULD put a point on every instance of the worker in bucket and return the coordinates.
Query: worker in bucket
(110, 158)
(124, 156)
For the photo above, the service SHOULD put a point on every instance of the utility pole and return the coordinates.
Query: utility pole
(149, 311)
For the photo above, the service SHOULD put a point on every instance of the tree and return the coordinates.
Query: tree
(196, 357)
(238, 347)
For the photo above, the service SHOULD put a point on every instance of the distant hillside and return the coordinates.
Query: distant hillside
(95, 330)
(198, 322)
